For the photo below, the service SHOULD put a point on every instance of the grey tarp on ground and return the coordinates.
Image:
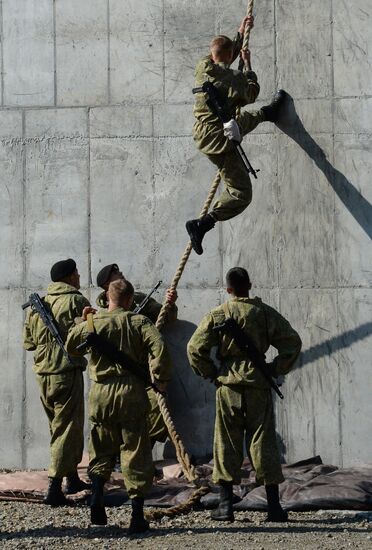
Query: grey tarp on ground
(308, 485)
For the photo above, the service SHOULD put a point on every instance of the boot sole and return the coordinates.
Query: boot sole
(74, 492)
(224, 518)
(267, 520)
(98, 516)
(143, 529)
(56, 504)
(198, 249)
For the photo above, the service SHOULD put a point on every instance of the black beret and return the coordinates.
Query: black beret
(104, 275)
(62, 269)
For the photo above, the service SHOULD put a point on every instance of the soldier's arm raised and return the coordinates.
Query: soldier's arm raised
(199, 348)
(238, 40)
(285, 339)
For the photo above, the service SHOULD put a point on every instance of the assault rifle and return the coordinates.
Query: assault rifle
(219, 108)
(37, 304)
(144, 302)
(246, 344)
(111, 352)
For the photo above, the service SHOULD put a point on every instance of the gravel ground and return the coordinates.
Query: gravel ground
(36, 526)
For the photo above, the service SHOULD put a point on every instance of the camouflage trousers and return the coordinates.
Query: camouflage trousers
(62, 396)
(118, 414)
(237, 194)
(157, 428)
(242, 411)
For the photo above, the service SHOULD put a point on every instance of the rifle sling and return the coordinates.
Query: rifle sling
(112, 353)
(261, 367)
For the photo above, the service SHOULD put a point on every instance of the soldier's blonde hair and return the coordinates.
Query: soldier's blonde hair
(220, 45)
(120, 291)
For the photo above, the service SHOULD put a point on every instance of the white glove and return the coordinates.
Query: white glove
(231, 130)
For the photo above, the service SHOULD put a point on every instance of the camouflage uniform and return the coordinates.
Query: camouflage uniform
(117, 399)
(238, 89)
(61, 385)
(157, 428)
(243, 399)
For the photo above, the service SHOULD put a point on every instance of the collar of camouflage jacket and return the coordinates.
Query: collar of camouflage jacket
(61, 288)
(106, 313)
(255, 301)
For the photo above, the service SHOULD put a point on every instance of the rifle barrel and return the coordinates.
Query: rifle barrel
(140, 306)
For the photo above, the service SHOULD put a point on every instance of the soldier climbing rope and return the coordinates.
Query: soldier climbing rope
(181, 453)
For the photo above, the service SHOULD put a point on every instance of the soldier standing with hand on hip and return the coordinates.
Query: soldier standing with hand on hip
(244, 406)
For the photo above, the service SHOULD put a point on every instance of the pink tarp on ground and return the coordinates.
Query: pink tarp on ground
(308, 485)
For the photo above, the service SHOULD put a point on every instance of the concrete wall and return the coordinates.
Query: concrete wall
(97, 162)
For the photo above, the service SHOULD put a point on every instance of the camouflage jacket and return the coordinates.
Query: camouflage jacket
(236, 88)
(265, 326)
(151, 310)
(66, 303)
(133, 334)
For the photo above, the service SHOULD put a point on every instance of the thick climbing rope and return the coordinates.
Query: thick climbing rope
(181, 453)
(182, 456)
(247, 30)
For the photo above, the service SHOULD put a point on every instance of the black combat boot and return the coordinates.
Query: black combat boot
(224, 512)
(74, 485)
(272, 111)
(197, 229)
(138, 524)
(54, 496)
(274, 509)
(97, 507)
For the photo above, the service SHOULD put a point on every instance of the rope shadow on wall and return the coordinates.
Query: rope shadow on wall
(330, 346)
(354, 201)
